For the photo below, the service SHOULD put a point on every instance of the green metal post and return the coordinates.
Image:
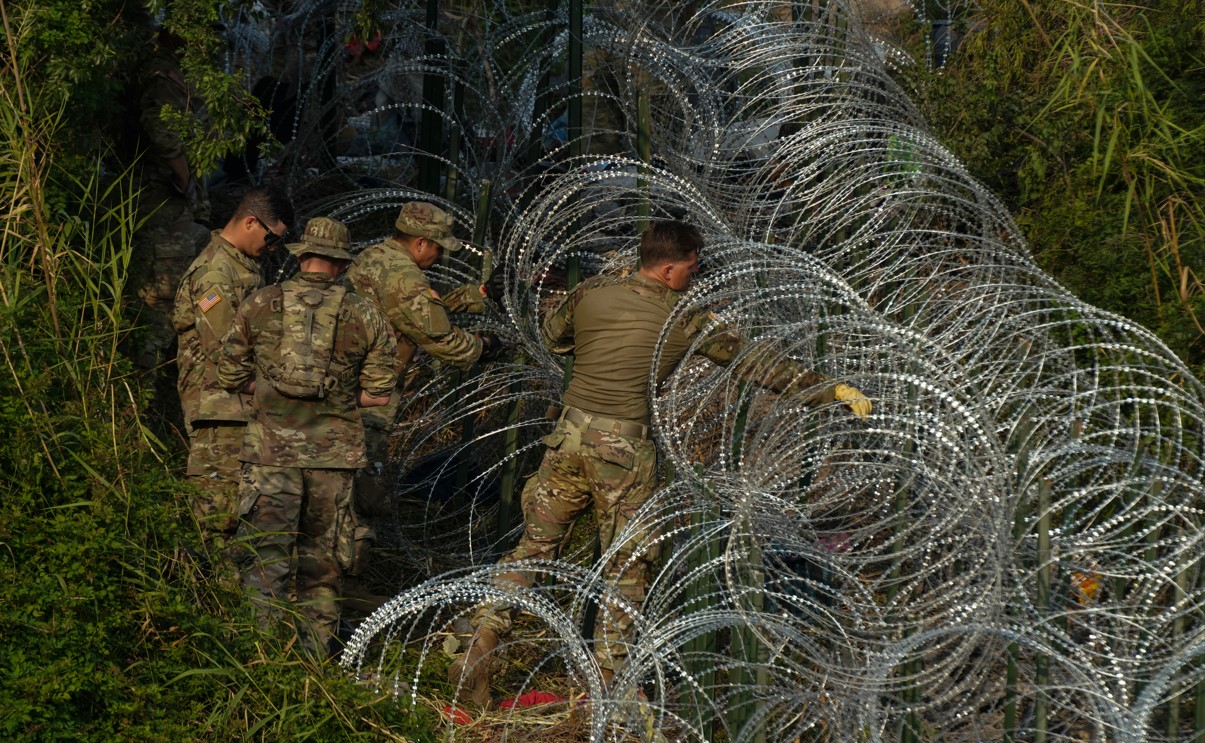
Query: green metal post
(1178, 627)
(1019, 444)
(510, 468)
(1045, 573)
(738, 426)
(747, 648)
(482, 222)
(701, 598)
(454, 143)
(535, 142)
(908, 725)
(431, 132)
(1198, 716)
(573, 264)
(644, 150)
(468, 427)
(1010, 694)
(745, 643)
(576, 50)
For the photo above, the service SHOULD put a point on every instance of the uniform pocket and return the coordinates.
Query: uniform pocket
(611, 448)
(248, 493)
(345, 542)
(554, 439)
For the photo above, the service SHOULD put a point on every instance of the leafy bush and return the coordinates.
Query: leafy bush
(1089, 120)
(115, 626)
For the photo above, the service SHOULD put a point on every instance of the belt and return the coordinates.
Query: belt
(610, 425)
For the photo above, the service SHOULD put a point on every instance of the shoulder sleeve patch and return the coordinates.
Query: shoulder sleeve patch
(209, 301)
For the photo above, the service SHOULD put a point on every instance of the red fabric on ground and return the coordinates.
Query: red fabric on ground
(530, 699)
(457, 715)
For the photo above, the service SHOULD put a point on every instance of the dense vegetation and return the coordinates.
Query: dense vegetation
(1089, 124)
(115, 625)
(1088, 119)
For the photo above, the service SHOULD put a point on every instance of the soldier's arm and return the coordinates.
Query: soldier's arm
(157, 92)
(378, 373)
(557, 329)
(215, 304)
(164, 144)
(426, 323)
(466, 298)
(236, 363)
(721, 344)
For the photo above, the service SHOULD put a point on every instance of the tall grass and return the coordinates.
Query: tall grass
(113, 628)
(1139, 144)
(1088, 117)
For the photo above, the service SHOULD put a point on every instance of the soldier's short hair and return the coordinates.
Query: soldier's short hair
(269, 203)
(669, 242)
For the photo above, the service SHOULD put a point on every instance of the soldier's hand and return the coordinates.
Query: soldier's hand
(189, 192)
(494, 288)
(491, 347)
(853, 397)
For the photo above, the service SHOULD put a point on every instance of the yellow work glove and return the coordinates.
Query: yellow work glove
(853, 397)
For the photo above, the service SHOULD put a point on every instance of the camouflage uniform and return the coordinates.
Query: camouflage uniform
(210, 293)
(302, 454)
(599, 454)
(172, 232)
(387, 274)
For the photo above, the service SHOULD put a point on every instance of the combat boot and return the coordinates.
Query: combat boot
(470, 674)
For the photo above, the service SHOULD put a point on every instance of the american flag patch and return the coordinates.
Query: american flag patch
(211, 299)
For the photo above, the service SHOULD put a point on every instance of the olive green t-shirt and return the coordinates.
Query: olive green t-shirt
(612, 324)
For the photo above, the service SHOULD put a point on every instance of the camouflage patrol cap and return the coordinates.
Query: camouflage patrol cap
(421, 219)
(326, 237)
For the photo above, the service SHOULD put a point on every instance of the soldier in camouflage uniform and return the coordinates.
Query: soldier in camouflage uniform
(171, 197)
(212, 288)
(390, 273)
(599, 455)
(310, 352)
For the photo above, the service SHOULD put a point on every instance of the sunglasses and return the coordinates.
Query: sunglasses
(271, 239)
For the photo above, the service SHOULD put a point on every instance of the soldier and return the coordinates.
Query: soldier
(390, 273)
(599, 455)
(216, 283)
(171, 196)
(310, 352)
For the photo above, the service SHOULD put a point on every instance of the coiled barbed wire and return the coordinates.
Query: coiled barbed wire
(1010, 542)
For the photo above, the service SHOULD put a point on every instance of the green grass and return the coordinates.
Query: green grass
(111, 630)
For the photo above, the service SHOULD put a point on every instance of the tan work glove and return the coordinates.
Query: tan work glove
(853, 397)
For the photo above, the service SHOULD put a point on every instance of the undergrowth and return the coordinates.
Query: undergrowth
(115, 626)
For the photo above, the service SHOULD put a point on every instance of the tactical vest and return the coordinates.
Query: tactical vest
(309, 320)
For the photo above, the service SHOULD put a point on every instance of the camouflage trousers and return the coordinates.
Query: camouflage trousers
(295, 543)
(214, 466)
(374, 483)
(585, 467)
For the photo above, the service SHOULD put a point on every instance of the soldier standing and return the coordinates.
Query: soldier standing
(310, 352)
(171, 197)
(212, 288)
(390, 273)
(600, 455)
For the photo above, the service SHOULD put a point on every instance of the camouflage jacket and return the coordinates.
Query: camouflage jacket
(612, 324)
(162, 84)
(388, 275)
(322, 433)
(210, 293)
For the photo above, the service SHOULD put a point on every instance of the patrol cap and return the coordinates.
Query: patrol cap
(326, 237)
(421, 219)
